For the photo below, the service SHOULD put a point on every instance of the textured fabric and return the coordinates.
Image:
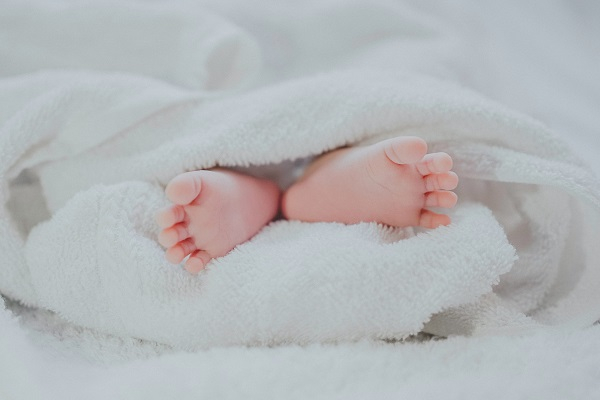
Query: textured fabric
(85, 152)
(99, 147)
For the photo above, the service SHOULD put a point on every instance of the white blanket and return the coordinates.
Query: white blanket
(84, 156)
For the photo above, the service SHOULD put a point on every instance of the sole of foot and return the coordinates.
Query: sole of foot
(393, 182)
(213, 211)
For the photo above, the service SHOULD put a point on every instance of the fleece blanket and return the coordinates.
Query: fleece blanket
(97, 149)
(85, 154)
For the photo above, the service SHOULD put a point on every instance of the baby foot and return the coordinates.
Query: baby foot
(213, 211)
(391, 182)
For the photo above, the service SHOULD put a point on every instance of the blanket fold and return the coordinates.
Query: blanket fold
(187, 46)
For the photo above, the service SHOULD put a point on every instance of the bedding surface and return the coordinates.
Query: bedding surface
(87, 145)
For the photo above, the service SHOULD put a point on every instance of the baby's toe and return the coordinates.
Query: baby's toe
(173, 235)
(177, 253)
(405, 149)
(443, 181)
(434, 163)
(184, 188)
(197, 261)
(440, 199)
(170, 216)
(431, 220)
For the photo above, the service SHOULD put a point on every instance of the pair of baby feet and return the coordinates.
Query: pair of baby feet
(392, 182)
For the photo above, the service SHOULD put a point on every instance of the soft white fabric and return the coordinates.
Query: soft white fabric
(188, 46)
(80, 363)
(278, 286)
(95, 147)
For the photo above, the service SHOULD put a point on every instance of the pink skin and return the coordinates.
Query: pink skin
(390, 182)
(213, 211)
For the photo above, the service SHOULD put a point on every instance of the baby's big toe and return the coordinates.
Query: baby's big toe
(404, 149)
(184, 188)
